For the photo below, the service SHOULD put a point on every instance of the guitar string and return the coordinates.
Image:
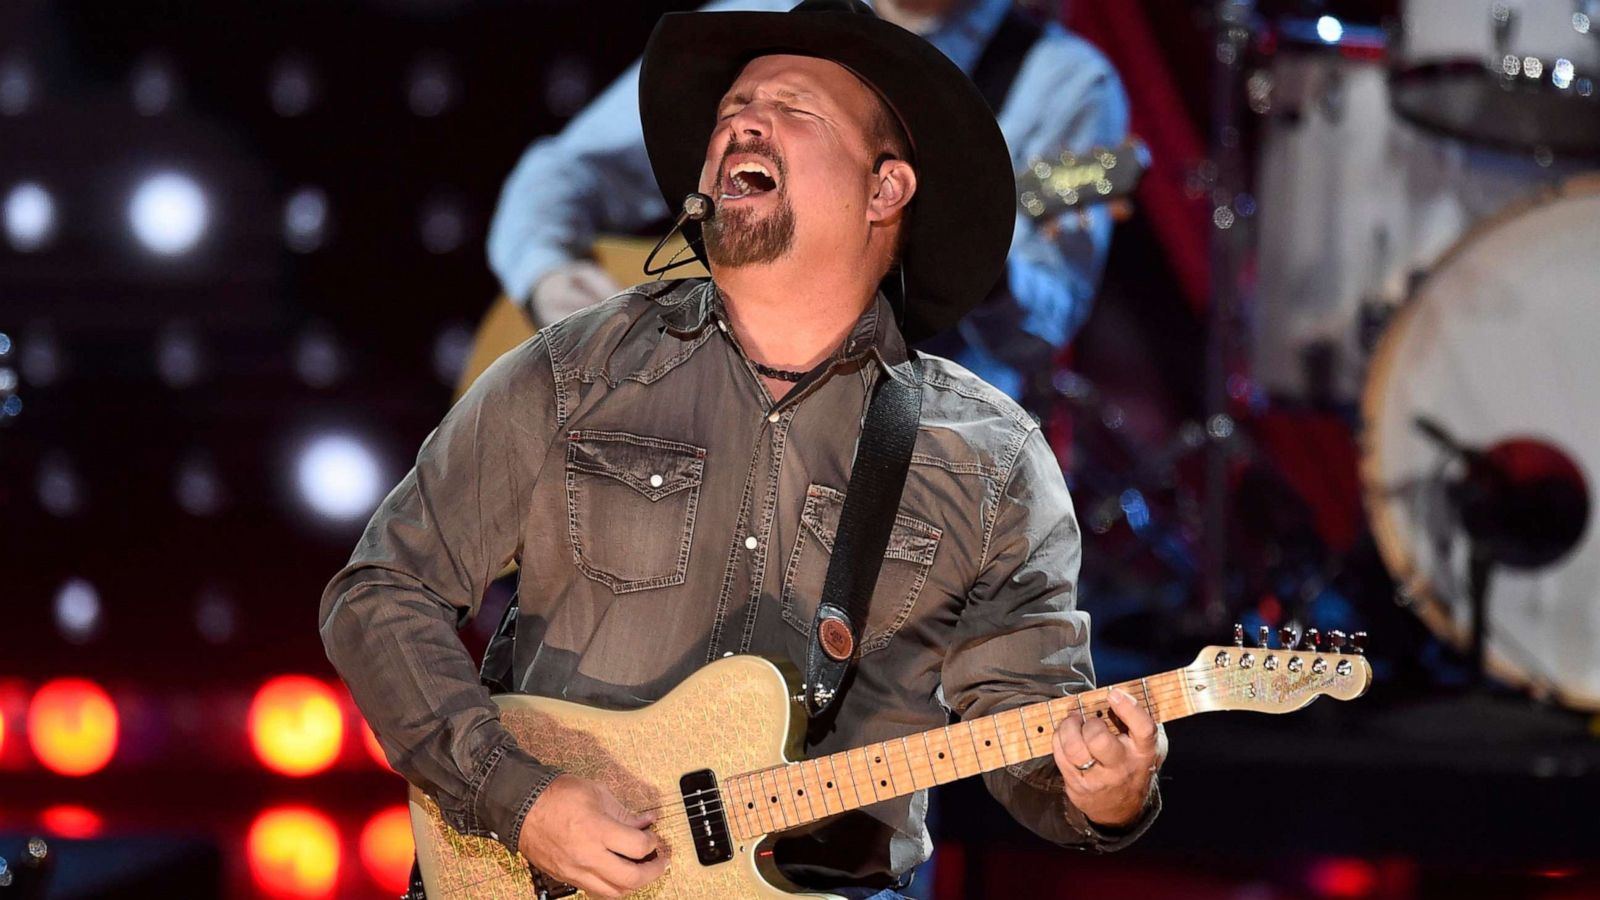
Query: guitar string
(676, 812)
(1167, 691)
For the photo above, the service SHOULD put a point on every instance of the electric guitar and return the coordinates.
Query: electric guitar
(1046, 188)
(716, 759)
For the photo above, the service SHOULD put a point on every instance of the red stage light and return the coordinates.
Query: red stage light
(373, 748)
(68, 821)
(296, 727)
(387, 848)
(1343, 878)
(293, 853)
(72, 726)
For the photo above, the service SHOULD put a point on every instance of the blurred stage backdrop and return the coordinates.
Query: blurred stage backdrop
(243, 264)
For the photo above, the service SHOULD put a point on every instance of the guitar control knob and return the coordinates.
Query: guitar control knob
(1263, 635)
(1238, 635)
(1337, 638)
(1358, 642)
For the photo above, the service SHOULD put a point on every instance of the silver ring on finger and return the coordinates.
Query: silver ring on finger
(1088, 765)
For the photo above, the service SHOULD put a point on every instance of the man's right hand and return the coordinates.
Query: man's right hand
(579, 832)
(567, 288)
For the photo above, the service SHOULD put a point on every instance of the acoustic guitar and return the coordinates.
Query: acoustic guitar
(1046, 188)
(716, 759)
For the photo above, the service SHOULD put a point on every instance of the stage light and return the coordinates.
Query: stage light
(198, 487)
(1561, 73)
(339, 478)
(430, 86)
(30, 215)
(450, 352)
(216, 616)
(1342, 878)
(293, 852)
(74, 822)
(296, 726)
(154, 85)
(77, 609)
(1330, 29)
(8, 379)
(180, 360)
(72, 726)
(168, 214)
(317, 359)
(374, 749)
(59, 487)
(40, 357)
(11, 408)
(293, 87)
(305, 218)
(387, 848)
(443, 228)
(16, 86)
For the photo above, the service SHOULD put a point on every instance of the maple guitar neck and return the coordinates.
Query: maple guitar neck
(794, 794)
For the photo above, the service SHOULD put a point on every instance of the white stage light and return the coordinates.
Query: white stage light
(443, 228)
(155, 85)
(198, 486)
(339, 478)
(216, 616)
(59, 487)
(317, 358)
(180, 360)
(1330, 29)
(168, 213)
(16, 86)
(451, 350)
(305, 217)
(293, 86)
(430, 87)
(77, 610)
(30, 217)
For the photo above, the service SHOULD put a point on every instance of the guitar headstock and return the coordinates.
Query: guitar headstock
(1046, 187)
(1279, 679)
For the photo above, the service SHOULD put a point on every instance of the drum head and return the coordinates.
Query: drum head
(1466, 101)
(1499, 348)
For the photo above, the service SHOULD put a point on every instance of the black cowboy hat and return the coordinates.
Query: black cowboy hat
(965, 206)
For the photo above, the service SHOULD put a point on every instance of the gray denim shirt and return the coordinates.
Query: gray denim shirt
(664, 511)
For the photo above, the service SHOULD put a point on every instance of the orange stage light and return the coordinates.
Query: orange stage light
(374, 750)
(387, 848)
(296, 726)
(72, 726)
(68, 821)
(293, 852)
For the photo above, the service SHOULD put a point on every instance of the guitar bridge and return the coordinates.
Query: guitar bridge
(708, 825)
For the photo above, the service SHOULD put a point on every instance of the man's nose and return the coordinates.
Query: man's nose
(754, 120)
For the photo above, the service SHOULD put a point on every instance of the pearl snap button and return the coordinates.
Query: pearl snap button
(773, 418)
(750, 542)
(656, 480)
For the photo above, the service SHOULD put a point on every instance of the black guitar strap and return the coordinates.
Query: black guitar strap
(1002, 58)
(883, 456)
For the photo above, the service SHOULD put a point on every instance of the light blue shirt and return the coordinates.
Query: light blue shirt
(595, 176)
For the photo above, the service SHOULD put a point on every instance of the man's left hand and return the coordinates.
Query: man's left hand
(1108, 775)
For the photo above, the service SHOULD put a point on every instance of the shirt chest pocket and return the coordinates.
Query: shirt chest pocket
(906, 561)
(630, 507)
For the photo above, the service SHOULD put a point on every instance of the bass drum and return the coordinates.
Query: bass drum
(1497, 350)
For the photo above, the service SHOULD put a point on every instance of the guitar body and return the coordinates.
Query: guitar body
(733, 716)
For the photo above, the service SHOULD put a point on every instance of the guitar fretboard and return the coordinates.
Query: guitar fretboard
(794, 794)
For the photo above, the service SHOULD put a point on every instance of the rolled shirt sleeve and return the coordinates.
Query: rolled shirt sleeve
(1021, 639)
(389, 618)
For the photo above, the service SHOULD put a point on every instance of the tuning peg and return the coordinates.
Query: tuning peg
(1311, 640)
(1358, 643)
(1337, 638)
(1238, 635)
(1286, 637)
(1263, 635)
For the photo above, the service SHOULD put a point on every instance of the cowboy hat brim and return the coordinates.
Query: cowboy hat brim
(963, 213)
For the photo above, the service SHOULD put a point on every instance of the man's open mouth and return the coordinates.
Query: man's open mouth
(747, 179)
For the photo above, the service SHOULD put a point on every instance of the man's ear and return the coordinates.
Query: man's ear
(896, 183)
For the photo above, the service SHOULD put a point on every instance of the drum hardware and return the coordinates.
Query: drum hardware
(1514, 522)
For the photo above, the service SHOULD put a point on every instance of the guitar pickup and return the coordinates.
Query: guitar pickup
(708, 825)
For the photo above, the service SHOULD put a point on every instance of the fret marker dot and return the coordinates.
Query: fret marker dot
(884, 783)
(1041, 729)
(987, 743)
(799, 793)
(774, 799)
(941, 755)
(750, 805)
(830, 785)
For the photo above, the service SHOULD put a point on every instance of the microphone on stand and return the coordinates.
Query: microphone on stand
(697, 207)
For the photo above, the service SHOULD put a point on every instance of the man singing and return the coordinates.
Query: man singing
(667, 468)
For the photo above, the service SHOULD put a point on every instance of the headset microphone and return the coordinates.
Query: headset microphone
(697, 207)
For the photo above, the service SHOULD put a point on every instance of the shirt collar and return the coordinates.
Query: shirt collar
(875, 333)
